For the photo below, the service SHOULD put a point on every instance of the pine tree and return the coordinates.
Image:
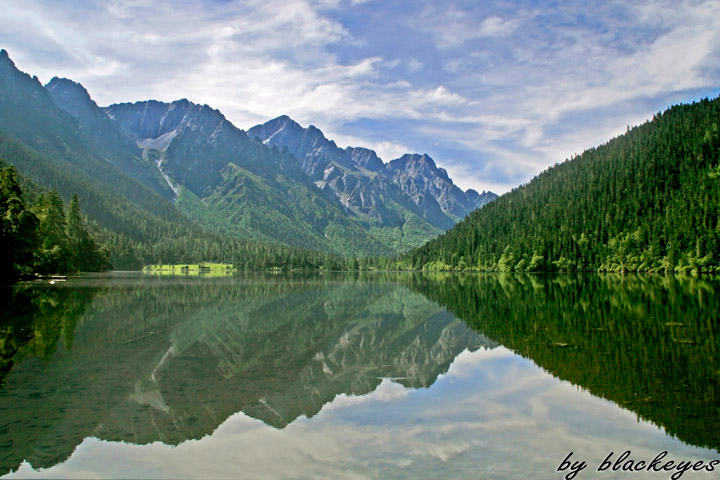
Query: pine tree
(55, 254)
(18, 228)
(86, 255)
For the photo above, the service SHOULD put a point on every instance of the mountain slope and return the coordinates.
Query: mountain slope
(360, 190)
(367, 186)
(231, 183)
(47, 145)
(419, 177)
(648, 200)
(104, 136)
(55, 150)
(156, 176)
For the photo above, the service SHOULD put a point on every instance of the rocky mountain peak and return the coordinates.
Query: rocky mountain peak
(415, 179)
(420, 165)
(365, 158)
(477, 200)
(71, 96)
(309, 145)
(9, 71)
(419, 176)
(151, 119)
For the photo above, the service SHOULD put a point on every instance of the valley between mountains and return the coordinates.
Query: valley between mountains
(177, 183)
(137, 166)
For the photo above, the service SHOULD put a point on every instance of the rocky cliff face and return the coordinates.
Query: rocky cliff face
(349, 175)
(362, 182)
(230, 181)
(420, 178)
(108, 139)
(479, 199)
(193, 143)
(365, 158)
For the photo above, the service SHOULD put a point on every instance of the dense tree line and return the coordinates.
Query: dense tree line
(43, 237)
(648, 200)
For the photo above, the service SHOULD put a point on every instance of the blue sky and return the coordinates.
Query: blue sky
(494, 91)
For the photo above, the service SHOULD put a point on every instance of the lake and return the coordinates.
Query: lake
(129, 375)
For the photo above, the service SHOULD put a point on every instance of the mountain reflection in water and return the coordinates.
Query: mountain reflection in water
(139, 359)
(171, 359)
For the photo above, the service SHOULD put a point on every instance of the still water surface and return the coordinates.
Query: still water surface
(347, 376)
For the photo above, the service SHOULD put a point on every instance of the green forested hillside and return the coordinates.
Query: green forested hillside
(648, 200)
(43, 237)
(135, 235)
(137, 224)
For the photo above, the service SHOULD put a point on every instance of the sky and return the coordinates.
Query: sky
(494, 91)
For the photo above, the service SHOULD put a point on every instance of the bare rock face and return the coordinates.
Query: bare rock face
(360, 180)
(420, 177)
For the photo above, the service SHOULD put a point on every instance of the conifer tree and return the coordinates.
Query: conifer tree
(18, 228)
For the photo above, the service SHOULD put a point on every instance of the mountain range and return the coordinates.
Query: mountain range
(138, 167)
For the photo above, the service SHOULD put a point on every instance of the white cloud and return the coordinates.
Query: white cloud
(507, 86)
(495, 26)
(452, 27)
(438, 96)
(414, 65)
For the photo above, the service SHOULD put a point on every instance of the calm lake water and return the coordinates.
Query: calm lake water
(357, 376)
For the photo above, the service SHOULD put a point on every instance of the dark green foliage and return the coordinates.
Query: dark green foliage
(87, 255)
(18, 227)
(648, 200)
(54, 255)
(40, 239)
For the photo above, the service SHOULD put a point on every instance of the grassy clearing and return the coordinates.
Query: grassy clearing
(204, 269)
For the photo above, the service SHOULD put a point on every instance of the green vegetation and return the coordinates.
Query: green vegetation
(198, 269)
(646, 201)
(43, 238)
(138, 227)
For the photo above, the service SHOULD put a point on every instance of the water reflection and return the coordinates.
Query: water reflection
(171, 359)
(648, 343)
(328, 376)
(35, 318)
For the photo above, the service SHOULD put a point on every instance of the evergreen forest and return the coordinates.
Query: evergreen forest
(646, 201)
(44, 237)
